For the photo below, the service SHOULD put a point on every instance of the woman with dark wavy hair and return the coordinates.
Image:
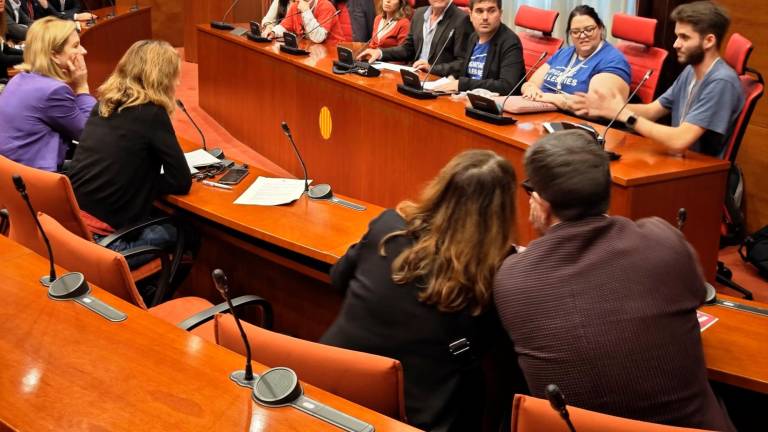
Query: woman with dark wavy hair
(418, 288)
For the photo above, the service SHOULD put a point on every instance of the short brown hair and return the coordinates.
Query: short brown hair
(472, 3)
(705, 17)
(571, 172)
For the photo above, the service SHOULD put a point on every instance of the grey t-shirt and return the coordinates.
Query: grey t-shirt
(715, 103)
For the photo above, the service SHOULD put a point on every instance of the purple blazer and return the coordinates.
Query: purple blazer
(39, 116)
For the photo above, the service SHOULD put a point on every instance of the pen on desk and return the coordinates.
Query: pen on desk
(216, 185)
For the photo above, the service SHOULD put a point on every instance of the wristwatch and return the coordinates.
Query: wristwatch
(631, 121)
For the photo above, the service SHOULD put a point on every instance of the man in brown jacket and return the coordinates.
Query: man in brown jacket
(603, 306)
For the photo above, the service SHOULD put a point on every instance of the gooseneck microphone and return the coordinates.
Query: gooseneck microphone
(412, 85)
(320, 191)
(92, 20)
(215, 152)
(365, 45)
(318, 25)
(223, 24)
(485, 109)
(22, 188)
(114, 10)
(601, 138)
(557, 401)
(287, 132)
(72, 285)
(244, 377)
(525, 77)
(437, 57)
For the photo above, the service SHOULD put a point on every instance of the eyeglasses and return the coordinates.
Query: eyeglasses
(586, 31)
(527, 186)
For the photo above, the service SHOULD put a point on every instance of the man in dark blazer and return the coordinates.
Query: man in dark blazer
(494, 57)
(63, 9)
(17, 19)
(603, 306)
(430, 27)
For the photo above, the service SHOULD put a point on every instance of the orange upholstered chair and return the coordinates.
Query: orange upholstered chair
(52, 194)
(541, 20)
(372, 381)
(108, 270)
(530, 414)
(638, 36)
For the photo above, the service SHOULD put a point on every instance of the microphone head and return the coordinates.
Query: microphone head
(286, 130)
(220, 280)
(555, 397)
(19, 183)
(180, 104)
(648, 74)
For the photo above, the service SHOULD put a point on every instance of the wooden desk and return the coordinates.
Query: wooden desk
(108, 39)
(382, 147)
(66, 368)
(735, 346)
(203, 11)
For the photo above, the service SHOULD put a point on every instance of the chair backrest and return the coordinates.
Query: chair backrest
(737, 52)
(639, 35)
(530, 414)
(50, 193)
(541, 20)
(101, 266)
(372, 381)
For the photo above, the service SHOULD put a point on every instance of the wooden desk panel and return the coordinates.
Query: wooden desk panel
(735, 346)
(66, 368)
(384, 146)
(108, 39)
(203, 11)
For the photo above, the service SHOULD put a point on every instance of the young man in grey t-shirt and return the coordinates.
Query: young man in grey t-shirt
(705, 99)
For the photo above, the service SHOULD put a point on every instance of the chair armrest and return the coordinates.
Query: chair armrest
(163, 280)
(206, 315)
(132, 229)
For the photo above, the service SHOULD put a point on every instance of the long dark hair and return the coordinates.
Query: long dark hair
(462, 230)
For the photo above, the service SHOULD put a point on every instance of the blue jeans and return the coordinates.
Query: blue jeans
(161, 236)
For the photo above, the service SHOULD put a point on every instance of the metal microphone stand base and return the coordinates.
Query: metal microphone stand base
(46, 281)
(239, 378)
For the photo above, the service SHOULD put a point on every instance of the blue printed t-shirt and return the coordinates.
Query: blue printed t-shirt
(607, 59)
(715, 104)
(477, 61)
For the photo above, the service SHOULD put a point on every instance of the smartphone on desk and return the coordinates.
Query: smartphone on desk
(234, 176)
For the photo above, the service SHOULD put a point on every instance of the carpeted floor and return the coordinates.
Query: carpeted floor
(743, 273)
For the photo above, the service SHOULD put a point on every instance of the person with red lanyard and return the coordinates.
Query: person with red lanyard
(315, 18)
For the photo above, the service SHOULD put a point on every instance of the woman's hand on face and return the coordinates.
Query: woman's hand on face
(78, 74)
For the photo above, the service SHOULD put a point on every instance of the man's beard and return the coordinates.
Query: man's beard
(694, 57)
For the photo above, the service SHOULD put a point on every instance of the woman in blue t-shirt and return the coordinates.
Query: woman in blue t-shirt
(587, 62)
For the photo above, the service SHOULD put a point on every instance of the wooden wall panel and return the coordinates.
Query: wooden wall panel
(748, 17)
(167, 18)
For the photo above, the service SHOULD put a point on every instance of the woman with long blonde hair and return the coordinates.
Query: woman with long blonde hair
(116, 173)
(44, 108)
(418, 288)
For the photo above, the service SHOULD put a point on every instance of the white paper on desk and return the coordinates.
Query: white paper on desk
(199, 158)
(391, 66)
(267, 191)
(431, 85)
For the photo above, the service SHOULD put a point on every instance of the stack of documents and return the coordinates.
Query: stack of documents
(199, 158)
